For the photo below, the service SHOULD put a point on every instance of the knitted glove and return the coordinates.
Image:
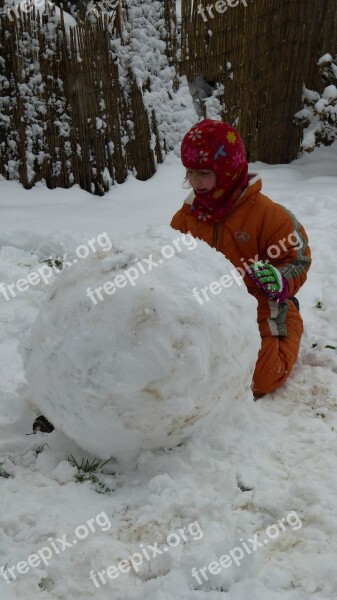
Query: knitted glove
(267, 278)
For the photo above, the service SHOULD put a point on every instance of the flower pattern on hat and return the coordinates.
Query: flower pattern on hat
(216, 146)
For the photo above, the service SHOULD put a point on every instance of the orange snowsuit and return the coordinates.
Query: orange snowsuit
(256, 228)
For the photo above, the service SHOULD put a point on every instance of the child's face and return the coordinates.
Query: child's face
(201, 180)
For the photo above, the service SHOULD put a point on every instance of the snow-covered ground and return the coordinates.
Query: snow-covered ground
(268, 471)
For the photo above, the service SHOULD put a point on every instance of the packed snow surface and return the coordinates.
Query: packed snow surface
(237, 477)
(138, 364)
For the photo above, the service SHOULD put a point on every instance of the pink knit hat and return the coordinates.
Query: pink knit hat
(216, 146)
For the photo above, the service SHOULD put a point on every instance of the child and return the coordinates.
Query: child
(227, 210)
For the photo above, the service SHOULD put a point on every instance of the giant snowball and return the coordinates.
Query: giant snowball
(142, 361)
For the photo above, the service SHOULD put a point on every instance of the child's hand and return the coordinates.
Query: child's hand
(267, 278)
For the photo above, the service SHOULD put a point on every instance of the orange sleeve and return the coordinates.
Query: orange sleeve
(287, 248)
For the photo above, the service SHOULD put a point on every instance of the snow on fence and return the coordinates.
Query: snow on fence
(261, 53)
(87, 101)
(65, 117)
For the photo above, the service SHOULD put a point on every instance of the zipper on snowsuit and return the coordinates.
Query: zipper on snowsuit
(216, 236)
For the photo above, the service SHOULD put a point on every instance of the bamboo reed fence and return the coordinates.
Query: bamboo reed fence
(66, 118)
(272, 47)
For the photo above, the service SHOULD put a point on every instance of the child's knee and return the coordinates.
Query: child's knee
(275, 363)
(270, 376)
